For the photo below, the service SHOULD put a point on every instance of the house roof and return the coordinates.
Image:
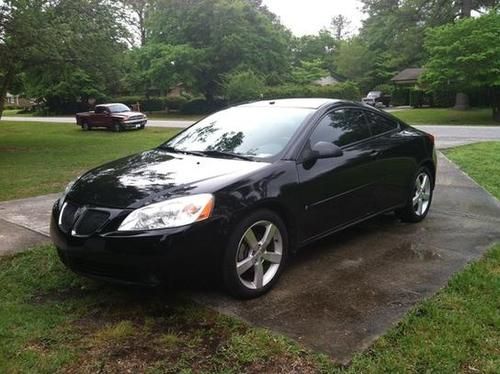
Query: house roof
(410, 75)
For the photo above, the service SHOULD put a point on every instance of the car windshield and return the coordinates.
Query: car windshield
(118, 108)
(374, 94)
(253, 132)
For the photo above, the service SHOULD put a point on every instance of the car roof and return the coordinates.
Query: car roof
(110, 104)
(308, 103)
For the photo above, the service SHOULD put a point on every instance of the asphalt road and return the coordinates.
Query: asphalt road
(446, 136)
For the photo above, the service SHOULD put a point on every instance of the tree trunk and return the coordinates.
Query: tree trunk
(461, 101)
(466, 8)
(3, 89)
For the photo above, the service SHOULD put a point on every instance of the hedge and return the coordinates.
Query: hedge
(345, 90)
(153, 104)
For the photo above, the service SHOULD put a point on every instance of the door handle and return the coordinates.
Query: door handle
(374, 153)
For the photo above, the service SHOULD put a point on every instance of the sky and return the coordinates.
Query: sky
(309, 16)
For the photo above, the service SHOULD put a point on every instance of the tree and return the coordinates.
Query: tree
(64, 50)
(466, 55)
(243, 86)
(355, 62)
(161, 66)
(395, 29)
(340, 25)
(318, 50)
(233, 35)
(308, 71)
(136, 15)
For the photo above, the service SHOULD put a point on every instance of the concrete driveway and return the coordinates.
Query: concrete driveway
(339, 295)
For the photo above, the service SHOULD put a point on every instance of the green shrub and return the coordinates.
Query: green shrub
(416, 98)
(175, 102)
(202, 106)
(242, 86)
(345, 90)
(400, 96)
(153, 104)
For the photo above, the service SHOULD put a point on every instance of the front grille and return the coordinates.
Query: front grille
(91, 221)
(133, 118)
(69, 215)
(79, 220)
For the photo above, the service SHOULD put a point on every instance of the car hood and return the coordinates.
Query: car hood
(128, 114)
(138, 180)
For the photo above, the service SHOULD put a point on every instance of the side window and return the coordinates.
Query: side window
(99, 109)
(380, 124)
(341, 127)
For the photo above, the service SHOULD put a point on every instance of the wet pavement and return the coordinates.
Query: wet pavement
(339, 295)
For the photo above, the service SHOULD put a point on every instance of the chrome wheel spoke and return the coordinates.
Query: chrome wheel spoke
(251, 239)
(259, 255)
(268, 235)
(425, 180)
(272, 257)
(243, 266)
(415, 200)
(258, 278)
(420, 207)
(423, 192)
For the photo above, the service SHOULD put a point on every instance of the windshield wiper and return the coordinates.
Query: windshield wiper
(175, 150)
(226, 154)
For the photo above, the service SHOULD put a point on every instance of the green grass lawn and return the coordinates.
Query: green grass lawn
(440, 116)
(151, 115)
(40, 158)
(481, 161)
(15, 113)
(54, 321)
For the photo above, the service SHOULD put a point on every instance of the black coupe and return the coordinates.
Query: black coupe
(238, 192)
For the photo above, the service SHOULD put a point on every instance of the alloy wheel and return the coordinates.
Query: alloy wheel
(422, 195)
(259, 255)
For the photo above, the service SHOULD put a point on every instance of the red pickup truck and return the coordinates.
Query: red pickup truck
(116, 117)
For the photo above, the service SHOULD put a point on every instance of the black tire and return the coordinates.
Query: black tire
(117, 127)
(231, 279)
(409, 213)
(85, 126)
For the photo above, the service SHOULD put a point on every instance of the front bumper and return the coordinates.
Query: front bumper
(134, 124)
(143, 258)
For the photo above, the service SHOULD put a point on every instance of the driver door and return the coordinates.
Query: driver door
(340, 190)
(101, 116)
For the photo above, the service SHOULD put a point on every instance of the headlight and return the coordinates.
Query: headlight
(170, 213)
(66, 191)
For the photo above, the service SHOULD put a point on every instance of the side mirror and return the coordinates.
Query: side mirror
(322, 150)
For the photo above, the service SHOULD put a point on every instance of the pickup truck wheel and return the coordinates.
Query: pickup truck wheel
(117, 127)
(85, 126)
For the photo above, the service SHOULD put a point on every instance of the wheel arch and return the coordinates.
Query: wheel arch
(429, 164)
(284, 213)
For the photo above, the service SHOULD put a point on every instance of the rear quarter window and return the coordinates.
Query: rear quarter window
(380, 124)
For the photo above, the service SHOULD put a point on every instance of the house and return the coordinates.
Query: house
(409, 76)
(17, 101)
(407, 89)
